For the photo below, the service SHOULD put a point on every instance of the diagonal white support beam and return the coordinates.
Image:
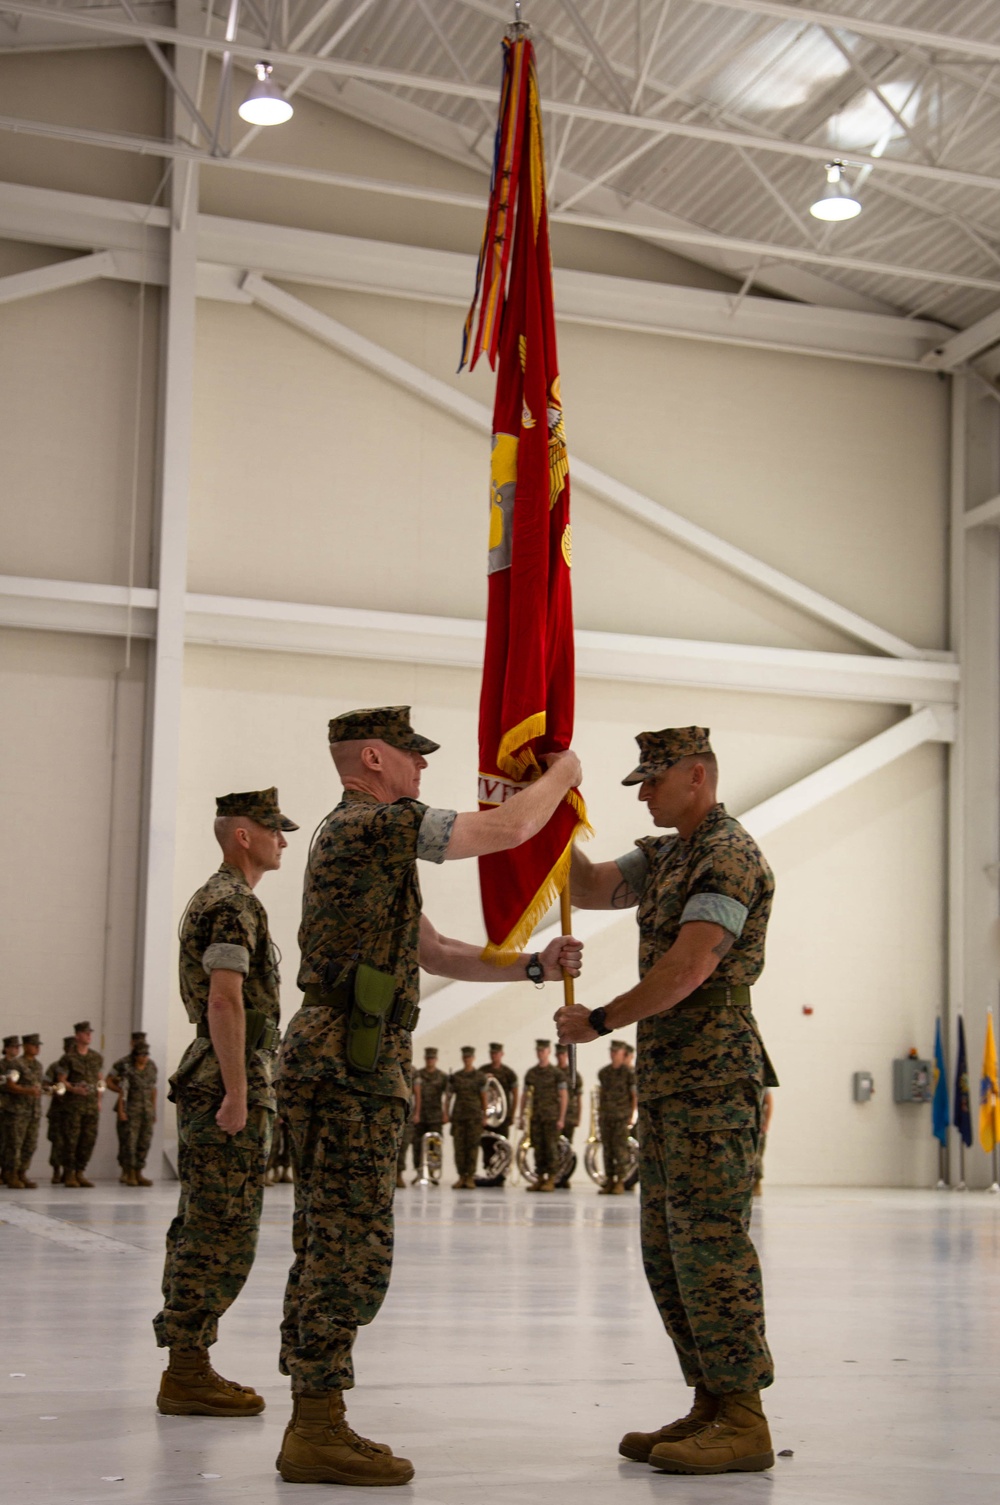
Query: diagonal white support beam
(71, 273)
(762, 820)
(987, 514)
(47, 216)
(456, 642)
(930, 724)
(961, 348)
(624, 498)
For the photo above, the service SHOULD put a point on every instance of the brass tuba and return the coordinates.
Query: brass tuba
(431, 1153)
(591, 1154)
(525, 1148)
(496, 1103)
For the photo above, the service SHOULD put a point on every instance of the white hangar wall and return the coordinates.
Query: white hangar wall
(316, 481)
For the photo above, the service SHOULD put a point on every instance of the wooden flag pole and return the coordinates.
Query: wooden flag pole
(566, 920)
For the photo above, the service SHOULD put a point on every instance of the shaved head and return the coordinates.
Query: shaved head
(347, 755)
(371, 766)
(226, 827)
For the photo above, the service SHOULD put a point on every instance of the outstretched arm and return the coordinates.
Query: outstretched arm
(689, 963)
(477, 833)
(444, 957)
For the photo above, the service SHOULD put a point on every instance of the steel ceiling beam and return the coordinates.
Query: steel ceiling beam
(864, 26)
(154, 147)
(393, 78)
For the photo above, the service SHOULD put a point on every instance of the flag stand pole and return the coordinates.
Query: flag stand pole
(942, 1184)
(995, 1188)
(961, 1166)
(566, 921)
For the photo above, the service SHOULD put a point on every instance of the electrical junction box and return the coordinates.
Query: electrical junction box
(864, 1086)
(912, 1080)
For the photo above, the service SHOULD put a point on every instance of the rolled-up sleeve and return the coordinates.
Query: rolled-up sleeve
(634, 868)
(223, 956)
(717, 909)
(435, 834)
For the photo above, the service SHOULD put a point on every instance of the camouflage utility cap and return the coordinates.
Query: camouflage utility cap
(430, 1050)
(31, 1040)
(542, 1044)
(259, 805)
(619, 1045)
(83, 1028)
(468, 1050)
(495, 1045)
(11, 1040)
(659, 751)
(387, 723)
(68, 1041)
(138, 1034)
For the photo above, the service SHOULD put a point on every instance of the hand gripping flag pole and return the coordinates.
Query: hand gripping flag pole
(527, 700)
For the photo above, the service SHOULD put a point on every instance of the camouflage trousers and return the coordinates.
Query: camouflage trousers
(212, 1241)
(545, 1138)
(18, 1141)
(80, 1123)
(614, 1143)
(135, 1134)
(758, 1170)
(466, 1133)
(404, 1145)
(56, 1133)
(699, 1150)
(345, 1148)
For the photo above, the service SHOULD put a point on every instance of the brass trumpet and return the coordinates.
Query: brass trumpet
(12, 1076)
(431, 1154)
(54, 1089)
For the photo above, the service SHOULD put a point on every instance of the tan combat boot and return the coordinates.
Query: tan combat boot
(320, 1448)
(57, 1176)
(81, 1180)
(639, 1445)
(141, 1180)
(380, 1447)
(190, 1386)
(129, 1178)
(12, 1180)
(548, 1184)
(618, 1190)
(737, 1441)
(70, 1179)
(26, 1182)
(400, 1180)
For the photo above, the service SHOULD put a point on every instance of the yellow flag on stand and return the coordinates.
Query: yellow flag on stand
(989, 1092)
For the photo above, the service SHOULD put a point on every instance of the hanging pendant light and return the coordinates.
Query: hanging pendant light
(836, 202)
(265, 104)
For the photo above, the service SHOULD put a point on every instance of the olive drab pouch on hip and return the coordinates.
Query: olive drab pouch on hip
(374, 992)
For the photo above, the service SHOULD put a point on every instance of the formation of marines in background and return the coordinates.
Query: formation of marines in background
(350, 1103)
(75, 1085)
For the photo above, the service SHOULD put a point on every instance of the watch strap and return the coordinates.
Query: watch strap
(597, 1021)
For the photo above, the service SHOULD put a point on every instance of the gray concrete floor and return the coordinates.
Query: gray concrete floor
(517, 1343)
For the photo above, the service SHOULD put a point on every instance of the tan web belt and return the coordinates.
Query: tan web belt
(737, 995)
(339, 999)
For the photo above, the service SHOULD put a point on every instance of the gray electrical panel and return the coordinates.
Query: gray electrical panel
(864, 1086)
(912, 1080)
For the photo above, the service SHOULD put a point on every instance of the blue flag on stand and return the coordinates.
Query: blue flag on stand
(963, 1112)
(939, 1110)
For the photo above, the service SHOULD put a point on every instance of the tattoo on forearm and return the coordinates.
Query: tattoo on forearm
(623, 897)
(723, 946)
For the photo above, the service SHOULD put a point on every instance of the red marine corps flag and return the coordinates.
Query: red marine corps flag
(526, 705)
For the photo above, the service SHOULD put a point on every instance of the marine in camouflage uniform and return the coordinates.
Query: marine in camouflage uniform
(467, 1111)
(9, 1069)
(615, 1114)
(574, 1112)
(84, 1085)
(406, 1140)
(430, 1085)
(212, 1241)
(23, 1121)
(704, 897)
(549, 1088)
(55, 1129)
(344, 1101)
(134, 1078)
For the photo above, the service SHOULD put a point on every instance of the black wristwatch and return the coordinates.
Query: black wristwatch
(535, 971)
(597, 1021)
